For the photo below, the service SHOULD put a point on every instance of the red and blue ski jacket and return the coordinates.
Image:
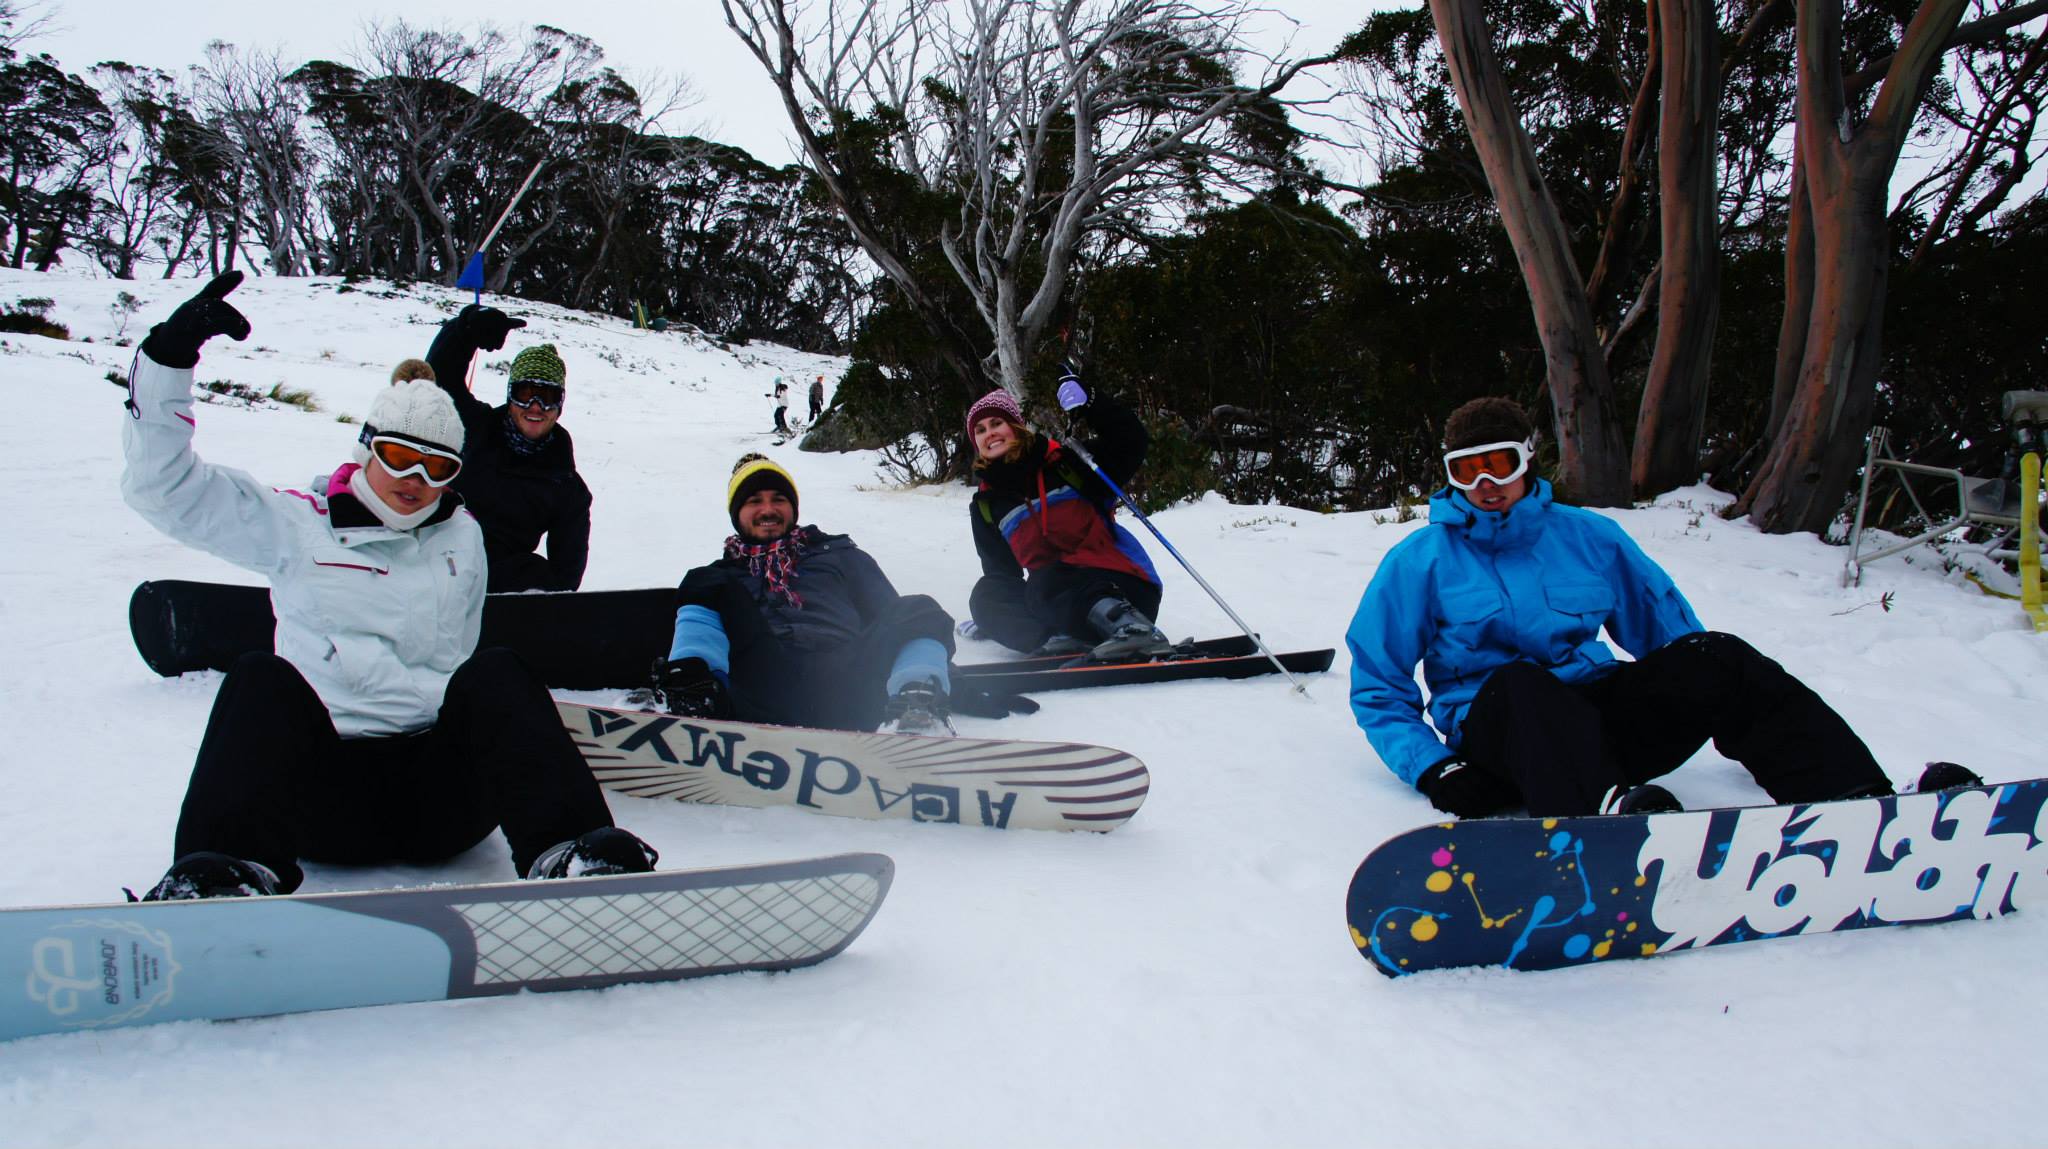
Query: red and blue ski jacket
(1048, 507)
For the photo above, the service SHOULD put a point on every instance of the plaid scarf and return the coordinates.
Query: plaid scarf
(773, 563)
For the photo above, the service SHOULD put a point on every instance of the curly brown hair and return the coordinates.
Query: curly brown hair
(1489, 419)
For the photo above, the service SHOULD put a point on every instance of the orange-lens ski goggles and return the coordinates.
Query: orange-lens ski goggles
(401, 458)
(1501, 462)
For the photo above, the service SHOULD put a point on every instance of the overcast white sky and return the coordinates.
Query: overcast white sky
(674, 37)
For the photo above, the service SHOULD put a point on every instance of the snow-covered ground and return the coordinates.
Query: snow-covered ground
(1185, 980)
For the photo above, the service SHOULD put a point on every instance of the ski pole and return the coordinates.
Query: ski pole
(473, 275)
(1299, 688)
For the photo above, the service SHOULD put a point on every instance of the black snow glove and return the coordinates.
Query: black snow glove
(1457, 788)
(175, 342)
(484, 328)
(688, 689)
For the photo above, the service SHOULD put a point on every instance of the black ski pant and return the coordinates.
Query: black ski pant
(1022, 613)
(782, 420)
(817, 405)
(840, 688)
(274, 783)
(1562, 746)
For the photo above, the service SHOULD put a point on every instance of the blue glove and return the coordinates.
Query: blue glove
(1071, 395)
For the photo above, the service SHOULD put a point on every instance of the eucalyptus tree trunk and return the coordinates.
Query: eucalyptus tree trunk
(1592, 461)
(1671, 420)
(1847, 168)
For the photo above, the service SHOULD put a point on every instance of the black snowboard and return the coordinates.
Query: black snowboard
(580, 640)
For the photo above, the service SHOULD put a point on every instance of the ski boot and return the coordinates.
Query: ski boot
(1125, 631)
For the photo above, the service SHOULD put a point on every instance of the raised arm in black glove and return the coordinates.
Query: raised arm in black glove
(486, 327)
(1456, 787)
(175, 342)
(474, 328)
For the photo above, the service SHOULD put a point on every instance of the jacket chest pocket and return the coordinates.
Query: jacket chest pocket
(337, 563)
(1465, 617)
(1577, 612)
(342, 582)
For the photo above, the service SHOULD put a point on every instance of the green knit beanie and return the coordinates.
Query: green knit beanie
(540, 364)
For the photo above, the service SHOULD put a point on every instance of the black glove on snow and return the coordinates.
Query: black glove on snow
(1459, 789)
(175, 342)
(688, 689)
(485, 328)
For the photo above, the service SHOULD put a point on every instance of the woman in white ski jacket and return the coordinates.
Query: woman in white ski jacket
(376, 732)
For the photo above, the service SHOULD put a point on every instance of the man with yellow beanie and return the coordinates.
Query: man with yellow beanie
(798, 627)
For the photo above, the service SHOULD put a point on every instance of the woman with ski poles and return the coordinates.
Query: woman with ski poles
(1059, 575)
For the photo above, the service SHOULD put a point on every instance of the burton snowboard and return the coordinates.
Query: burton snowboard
(1234, 657)
(578, 640)
(73, 968)
(1544, 893)
(1000, 784)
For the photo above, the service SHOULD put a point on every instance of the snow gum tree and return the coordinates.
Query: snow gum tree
(1032, 128)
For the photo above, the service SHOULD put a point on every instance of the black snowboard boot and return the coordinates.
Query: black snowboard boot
(1648, 798)
(205, 874)
(1945, 776)
(606, 850)
(1125, 632)
(919, 708)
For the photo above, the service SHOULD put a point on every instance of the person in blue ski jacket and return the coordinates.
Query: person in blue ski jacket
(1502, 599)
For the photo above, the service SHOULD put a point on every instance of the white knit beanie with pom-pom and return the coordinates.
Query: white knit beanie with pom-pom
(416, 409)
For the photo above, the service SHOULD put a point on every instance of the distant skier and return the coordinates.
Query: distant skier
(519, 473)
(817, 398)
(799, 627)
(377, 732)
(782, 407)
(1059, 575)
(1502, 598)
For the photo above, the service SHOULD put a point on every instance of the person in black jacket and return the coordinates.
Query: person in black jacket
(798, 627)
(519, 468)
(1058, 574)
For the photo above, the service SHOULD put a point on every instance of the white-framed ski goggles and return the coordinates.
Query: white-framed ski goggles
(1502, 462)
(402, 457)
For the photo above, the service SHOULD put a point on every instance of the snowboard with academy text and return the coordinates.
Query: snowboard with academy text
(995, 783)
